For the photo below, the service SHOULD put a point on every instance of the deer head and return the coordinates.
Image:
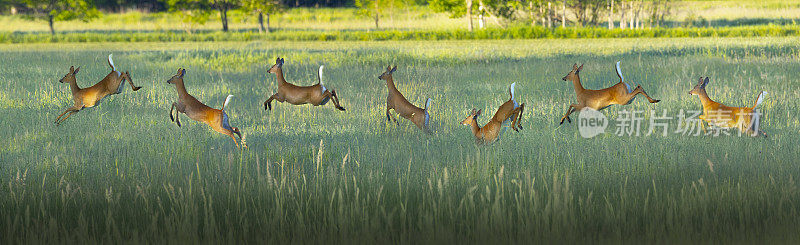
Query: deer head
(70, 77)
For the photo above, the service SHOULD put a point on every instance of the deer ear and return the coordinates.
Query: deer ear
(389, 68)
(705, 82)
(394, 69)
(183, 72)
(71, 69)
(575, 66)
(580, 68)
(76, 70)
(479, 112)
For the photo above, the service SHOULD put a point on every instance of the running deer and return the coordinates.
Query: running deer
(619, 94)
(315, 94)
(510, 111)
(196, 110)
(743, 118)
(398, 102)
(113, 83)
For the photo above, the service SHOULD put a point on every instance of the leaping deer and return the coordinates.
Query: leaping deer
(398, 102)
(297, 95)
(717, 114)
(510, 111)
(619, 94)
(196, 110)
(113, 83)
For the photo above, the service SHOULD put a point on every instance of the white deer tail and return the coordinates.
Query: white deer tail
(319, 77)
(511, 90)
(760, 98)
(619, 73)
(227, 100)
(111, 63)
(427, 115)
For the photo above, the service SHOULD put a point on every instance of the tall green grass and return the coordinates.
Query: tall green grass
(124, 172)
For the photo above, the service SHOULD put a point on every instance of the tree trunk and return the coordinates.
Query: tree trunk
(376, 21)
(530, 8)
(267, 29)
(564, 14)
(260, 22)
(223, 15)
(549, 15)
(50, 21)
(611, 16)
(622, 15)
(469, 14)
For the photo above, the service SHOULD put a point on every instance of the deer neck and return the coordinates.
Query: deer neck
(577, 84)
(475, 128)
(707, 103)
(73, 86)
(181, 88)
(390, 85)
(279, 74)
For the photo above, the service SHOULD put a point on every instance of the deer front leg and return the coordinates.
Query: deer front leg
(71, 110)
(177, 118)
(390, 117)
(268, 103)
(569, 111)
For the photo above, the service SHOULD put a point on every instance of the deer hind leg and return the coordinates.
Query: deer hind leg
(335, 99)
(572, 108)
(638, 90)
(516, 118)
(134, 87)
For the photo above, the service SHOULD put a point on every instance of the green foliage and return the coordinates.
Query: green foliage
(512, 32)
(191, 11)
(58, 10)
(456, 8)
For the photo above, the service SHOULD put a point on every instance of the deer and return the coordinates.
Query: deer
(717, 114)
(510, 111)
(619, 94)
(395, 100)
(187, 104)
(89, 97)
(316, 94)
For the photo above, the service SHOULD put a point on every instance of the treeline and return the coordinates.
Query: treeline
(623, 14)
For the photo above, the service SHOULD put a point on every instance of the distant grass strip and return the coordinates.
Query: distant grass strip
(401, 35)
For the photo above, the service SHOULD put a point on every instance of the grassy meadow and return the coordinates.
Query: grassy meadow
(123, 171)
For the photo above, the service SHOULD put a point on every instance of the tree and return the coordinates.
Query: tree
(197, 11)
(456, 8)
(191, 12)
(262, 7)
(369, 8)
(223, 6)
(57, 10)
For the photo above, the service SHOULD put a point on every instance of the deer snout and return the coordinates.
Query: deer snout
(564, 78)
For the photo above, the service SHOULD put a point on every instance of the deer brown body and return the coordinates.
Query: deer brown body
(196, 110)
(717, 114)
(619, 94)
(396, 101)
(89, 97)
(510, 111)
(297, 95)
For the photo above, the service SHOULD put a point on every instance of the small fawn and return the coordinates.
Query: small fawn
(723, 116)
(196, 110)
(619, 94)
(297, 95)
(113, 83)
(395, 100)
(509, 111)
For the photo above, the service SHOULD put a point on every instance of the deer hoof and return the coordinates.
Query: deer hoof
(136, 88)
(340, 108)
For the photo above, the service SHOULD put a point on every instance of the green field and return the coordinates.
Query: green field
(123, 171)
